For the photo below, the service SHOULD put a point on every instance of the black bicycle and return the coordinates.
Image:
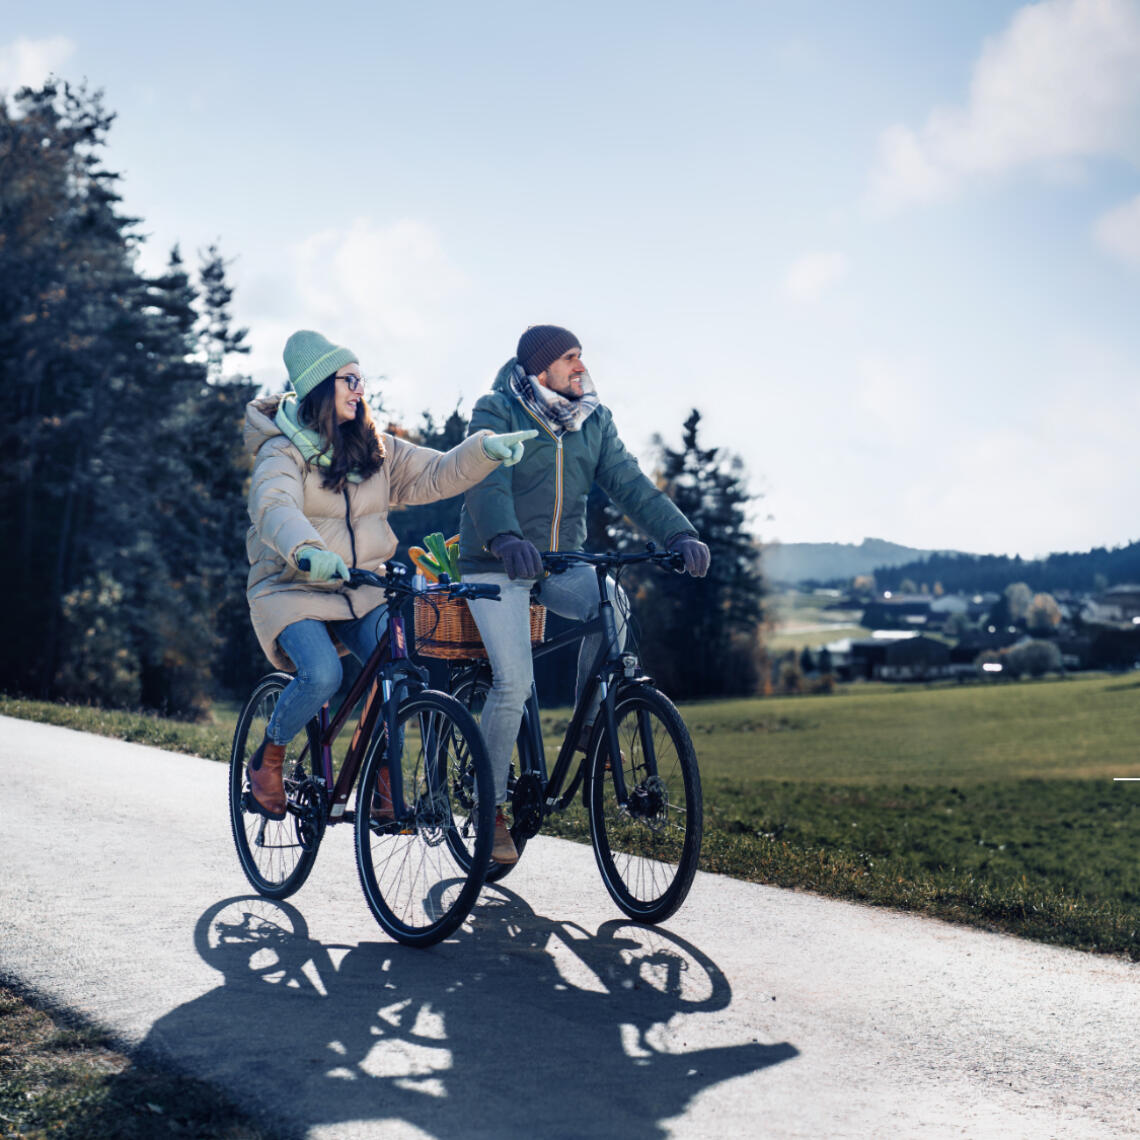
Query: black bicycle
(424, 808)
(640, 782)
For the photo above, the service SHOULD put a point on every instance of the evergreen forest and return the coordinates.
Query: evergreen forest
(124, 476)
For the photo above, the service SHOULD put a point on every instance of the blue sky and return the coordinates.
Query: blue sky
(890, 250)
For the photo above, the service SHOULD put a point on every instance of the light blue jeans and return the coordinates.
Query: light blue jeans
(505, 628)
(319, 670)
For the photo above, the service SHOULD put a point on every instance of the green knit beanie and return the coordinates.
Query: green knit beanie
(310, 357)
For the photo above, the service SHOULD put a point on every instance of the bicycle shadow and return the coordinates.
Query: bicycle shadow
(521, 1025)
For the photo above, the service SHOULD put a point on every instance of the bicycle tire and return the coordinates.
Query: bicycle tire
(647, 848)
(416, 888)
(471, 692)
(275, 855)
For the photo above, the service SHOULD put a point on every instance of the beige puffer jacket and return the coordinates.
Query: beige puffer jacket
(289, 508)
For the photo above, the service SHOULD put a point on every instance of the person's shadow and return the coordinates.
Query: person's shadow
(519, 1025)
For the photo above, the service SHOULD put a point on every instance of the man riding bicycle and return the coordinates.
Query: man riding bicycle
(540, 504)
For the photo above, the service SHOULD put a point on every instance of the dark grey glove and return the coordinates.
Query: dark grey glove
(520, 558)
(694, 552)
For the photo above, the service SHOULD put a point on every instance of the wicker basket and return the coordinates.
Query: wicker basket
(445, 628)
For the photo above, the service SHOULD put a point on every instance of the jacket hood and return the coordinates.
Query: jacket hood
(260, 422)
(502, 382)
(305, 440)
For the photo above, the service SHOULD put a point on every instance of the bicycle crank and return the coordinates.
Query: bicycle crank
(526, 805)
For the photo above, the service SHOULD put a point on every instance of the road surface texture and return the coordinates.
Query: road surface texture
(753, 1012)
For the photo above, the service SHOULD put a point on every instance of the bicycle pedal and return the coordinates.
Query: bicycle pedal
(391, 827)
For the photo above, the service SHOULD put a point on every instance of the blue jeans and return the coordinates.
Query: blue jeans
(319, 671)
(505, 628)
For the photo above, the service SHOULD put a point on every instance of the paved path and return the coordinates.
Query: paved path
(755, 1012)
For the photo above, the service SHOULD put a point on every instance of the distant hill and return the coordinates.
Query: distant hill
(793, 562)
(963, 573)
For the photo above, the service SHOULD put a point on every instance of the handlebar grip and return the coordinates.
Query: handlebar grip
(480, 590)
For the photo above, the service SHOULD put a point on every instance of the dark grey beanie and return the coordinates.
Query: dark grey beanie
(541, 345)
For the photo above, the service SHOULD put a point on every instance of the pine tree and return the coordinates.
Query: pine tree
(66, 281)
(120, 474)
(699, 635)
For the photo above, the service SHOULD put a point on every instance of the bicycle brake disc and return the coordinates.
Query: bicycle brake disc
(433, 817)
(649, 802)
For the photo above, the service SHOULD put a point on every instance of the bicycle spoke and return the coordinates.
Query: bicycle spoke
(271, 852)
(647, 842)
(417, 888)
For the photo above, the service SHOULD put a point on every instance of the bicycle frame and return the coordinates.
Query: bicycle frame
(384, 675)
(606, 664)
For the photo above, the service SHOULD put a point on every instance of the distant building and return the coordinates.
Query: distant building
(904, 611)
(979, 640)
(900, 659)
(1120, 603)
(950, 604)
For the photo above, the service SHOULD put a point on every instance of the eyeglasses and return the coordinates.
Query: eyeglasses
(354, 383)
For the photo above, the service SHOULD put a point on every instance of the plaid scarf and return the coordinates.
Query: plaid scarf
(561, 412)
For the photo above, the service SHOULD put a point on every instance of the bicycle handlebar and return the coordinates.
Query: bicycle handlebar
(391, 581)
(557, 561)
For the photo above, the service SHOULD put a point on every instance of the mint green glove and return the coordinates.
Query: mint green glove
(507, 447)
(323, 565)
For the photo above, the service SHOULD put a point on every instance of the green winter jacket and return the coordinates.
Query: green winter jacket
(543, 498)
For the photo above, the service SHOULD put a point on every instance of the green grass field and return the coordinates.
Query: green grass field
(988, 804)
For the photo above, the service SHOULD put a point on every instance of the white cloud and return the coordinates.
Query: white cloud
(387, 291)
(811, 275)
(27, 63)
(1059, 86)
(1118, 232)
(390, 277)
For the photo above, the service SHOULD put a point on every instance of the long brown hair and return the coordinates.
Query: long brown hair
(354, 446)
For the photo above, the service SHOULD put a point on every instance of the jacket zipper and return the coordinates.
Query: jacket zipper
(352, 546)
(556, 521)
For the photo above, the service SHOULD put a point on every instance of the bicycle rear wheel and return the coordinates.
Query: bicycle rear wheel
(472, 694)
(276, 855)
(416, 887)
(647, 844)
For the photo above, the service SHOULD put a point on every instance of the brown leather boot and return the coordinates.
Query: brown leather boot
(265, 780)
(503, 850)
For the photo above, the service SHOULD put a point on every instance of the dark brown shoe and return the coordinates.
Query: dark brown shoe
(503, 850)
(265, 781)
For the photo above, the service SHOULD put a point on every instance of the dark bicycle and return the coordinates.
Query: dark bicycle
(424, 805)
(640, 782)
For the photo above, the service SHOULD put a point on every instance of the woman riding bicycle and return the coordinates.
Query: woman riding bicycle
(324, 479)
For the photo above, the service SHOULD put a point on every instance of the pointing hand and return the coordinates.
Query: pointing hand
(508, 447)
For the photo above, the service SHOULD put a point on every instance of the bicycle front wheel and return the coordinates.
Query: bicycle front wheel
(276, 855)
(648, 841)
(417, 889)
